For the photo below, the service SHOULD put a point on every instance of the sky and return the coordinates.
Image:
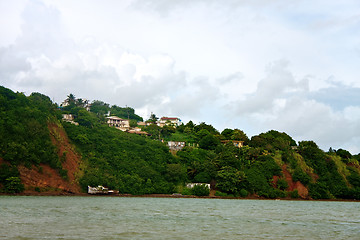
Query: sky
(255, 65)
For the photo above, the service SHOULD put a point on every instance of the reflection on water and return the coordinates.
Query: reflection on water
(24, 217)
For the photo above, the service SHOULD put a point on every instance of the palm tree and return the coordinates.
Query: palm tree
(71, 98)
(80, 102)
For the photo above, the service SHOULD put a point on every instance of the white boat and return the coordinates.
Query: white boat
(99, 190)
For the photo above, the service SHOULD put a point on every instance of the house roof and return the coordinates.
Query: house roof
(115, 118)
(138, 132)
(169, 118)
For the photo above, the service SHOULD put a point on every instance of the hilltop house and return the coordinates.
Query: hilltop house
(172, 121)
(122, 124)
(84, 103)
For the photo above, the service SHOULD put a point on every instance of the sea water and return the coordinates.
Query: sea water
(60, 217)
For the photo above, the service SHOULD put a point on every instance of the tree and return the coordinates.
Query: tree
(190, 125)
(175, 173)
(272, 140)
(282, 184)
(80, 102)
(99, 107)
(13, 185)
(239, 135)
(208, 127)
(133, 123)
(125, 112)
(200, 190)
(166, 131)
(202, 133)
(227, 133)
(229, 179)
(209, 142)
(153, 118)
(71, 99)
(313, 155)
(86, 119)
(344, 154)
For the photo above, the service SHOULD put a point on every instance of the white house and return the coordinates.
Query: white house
(176, 145)
(122, 124)
(69, 118)
(174, 121)
(191, 185)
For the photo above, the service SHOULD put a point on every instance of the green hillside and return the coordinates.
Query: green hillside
(269, 165)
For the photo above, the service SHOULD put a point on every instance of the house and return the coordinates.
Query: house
(122, 124)
(176, 146)
(142, 124)
(170, 121)
(238, 144)
(191, 185)
(87, 105)
(69, 118)
(84, 103)
(65, 103)
(138, 131)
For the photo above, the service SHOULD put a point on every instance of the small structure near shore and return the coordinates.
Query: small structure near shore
(99, 190)
(191, 185)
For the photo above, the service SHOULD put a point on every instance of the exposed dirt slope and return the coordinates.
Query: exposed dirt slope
(48, 179)
(302, 190)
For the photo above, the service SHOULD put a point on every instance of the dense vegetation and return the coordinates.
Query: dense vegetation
(123, 161)
(143, 164)
(24, 135)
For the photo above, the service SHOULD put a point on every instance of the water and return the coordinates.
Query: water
(30, 217)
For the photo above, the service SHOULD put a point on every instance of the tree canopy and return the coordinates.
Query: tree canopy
(137, 164)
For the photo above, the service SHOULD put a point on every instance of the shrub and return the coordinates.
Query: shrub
(64, 174)
(275, 193)
(257, 182)
(230, 179)
(243, 193)
(200, 190)
(186, 191)
(202, 177)
(13, 185)
(354, 179)
(300, 175)
(294, 194)
(222, 194)
(282, 184)
(319, 191)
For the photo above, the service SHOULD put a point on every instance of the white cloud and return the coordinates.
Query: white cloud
(214, 61)
(298, 114)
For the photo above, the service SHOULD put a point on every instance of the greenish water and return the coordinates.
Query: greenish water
(30, 217)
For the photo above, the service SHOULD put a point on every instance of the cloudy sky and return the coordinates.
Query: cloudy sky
(256, 65)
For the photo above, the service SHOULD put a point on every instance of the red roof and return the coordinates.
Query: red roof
(169, 118)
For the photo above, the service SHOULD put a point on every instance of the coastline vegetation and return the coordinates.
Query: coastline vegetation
(268, 165)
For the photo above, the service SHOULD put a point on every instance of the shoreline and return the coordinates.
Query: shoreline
(69, 194)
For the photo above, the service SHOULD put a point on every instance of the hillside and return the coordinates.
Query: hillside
(42, 153)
